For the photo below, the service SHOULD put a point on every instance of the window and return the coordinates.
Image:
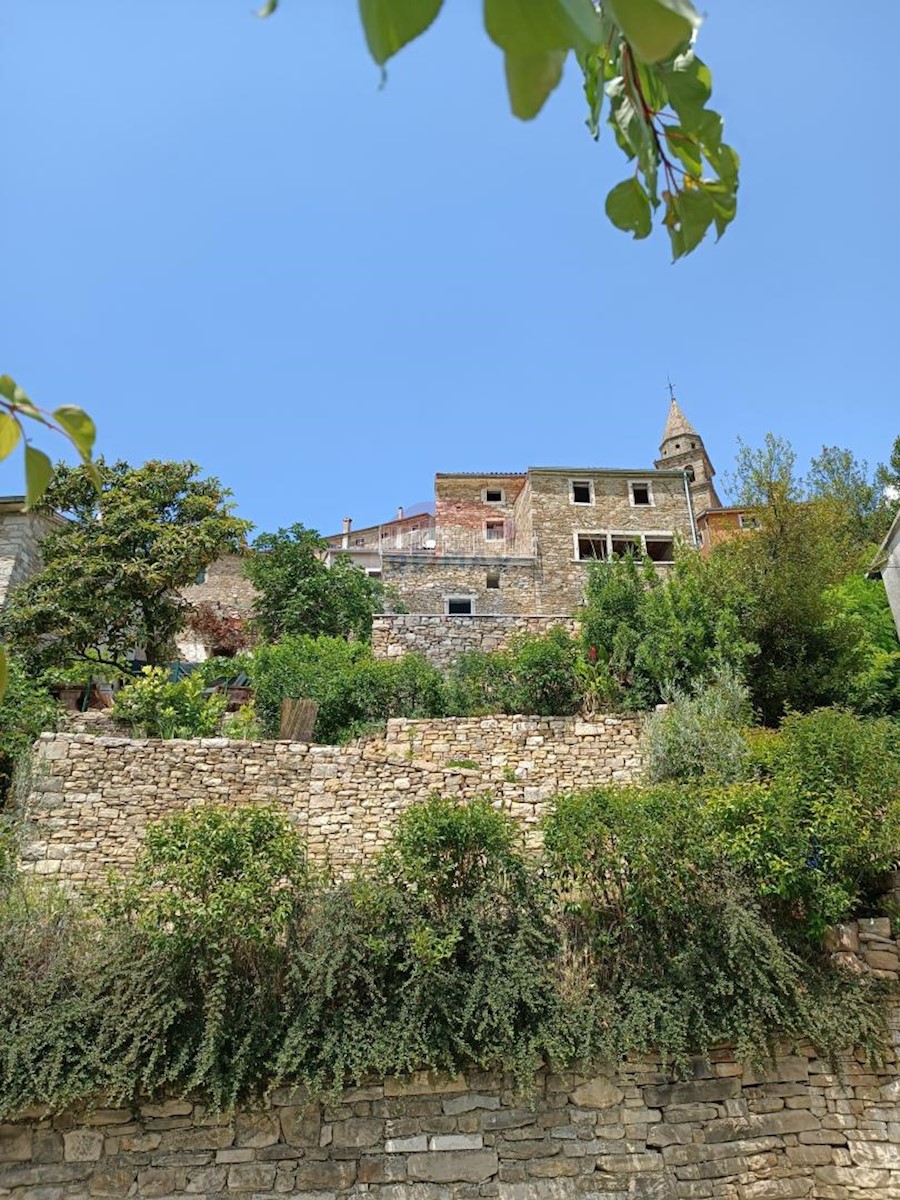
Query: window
(494, 531)
(623, 544)
(493, 579)
(660, 549)
(373, 573)
(459, 606)
(582, 491)
(493, 495)
(745, 521)
(592, 545)
(641, 495)
(359, 541)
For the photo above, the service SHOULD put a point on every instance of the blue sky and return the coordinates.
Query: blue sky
(227, 244)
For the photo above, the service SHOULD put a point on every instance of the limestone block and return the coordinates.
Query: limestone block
(251, 1177)
(600, 1092)
(465, 1166)
(83, 1145)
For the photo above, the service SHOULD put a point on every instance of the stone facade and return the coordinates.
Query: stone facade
(20, 538)
(225, 586)
(794, 1130)
(496, 586)
(91, 798)
(442, 639)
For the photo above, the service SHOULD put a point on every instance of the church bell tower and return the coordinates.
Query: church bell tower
(682, 449)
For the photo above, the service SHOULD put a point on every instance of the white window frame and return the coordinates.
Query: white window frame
(632, 484)
(640, 535)
(484, 495)
(747, 521)
(454, 598)
(581, 503)
(496, 521)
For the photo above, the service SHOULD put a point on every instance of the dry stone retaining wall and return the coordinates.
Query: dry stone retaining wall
(794, 1130)
(92, 797)
(441, 639)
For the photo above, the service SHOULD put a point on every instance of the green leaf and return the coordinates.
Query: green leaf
(38, 473)
(79, 426)
(593, 66)
(695, 213)
(267, 9)
(4, 671)
(689, 83)
(526, 27)
(530, 78)
(685, 149)
(8, 388)
(390, 24)
(9, 434)
(655, 28)
(628, 207)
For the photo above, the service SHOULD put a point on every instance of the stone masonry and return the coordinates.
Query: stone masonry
(20, 537)
(442, 639)
(794, 1130)
(92, 797)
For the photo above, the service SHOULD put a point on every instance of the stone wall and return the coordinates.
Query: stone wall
(793, 1130)
(442, 639)
(225, 586)
(92, 797)
(20, 537)
(425, 582)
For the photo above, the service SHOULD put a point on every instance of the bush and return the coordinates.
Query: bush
(661, 917)
(536, 674)
(823, 825)
(153, 706)
(26, 710)
(353, 688)
(702, 734)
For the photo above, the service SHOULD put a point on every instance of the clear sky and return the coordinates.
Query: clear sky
(224, 241)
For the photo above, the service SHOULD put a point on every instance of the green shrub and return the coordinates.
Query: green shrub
(153, 706)
(701, 734)
(243, 725)
(536, 674)
(823, 825)
(353, 688)
(660, 916)
(26, 710)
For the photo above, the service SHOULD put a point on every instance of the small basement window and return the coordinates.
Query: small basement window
(494, 496)
(641, 496)
(660, 549)
(745, 521)
(592, 546)
(494, 531)
(493, 579)
(582, 491)
(626, 545)
(459, 606)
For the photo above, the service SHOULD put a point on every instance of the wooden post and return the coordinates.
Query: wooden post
(298, 720)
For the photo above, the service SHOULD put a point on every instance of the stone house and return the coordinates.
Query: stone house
(514, 544)
(20, 538)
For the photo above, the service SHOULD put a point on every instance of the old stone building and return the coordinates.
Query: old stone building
(516, 544)
(20, 537)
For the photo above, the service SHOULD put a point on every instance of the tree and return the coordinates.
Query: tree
(298, 594)
(113, 569)
(638, 54)
(26, 710)
(837, 475)
(15, 410)
(887, 475)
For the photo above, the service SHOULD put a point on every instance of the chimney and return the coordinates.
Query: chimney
(345, 536)
(400, 513)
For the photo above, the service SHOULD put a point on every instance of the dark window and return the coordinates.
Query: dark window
(459, 608)
(626, 545)
(493, 579)
(494, 531)
(640, 493)
(493, 496)
(592, 547)
(581, 492)
(660, 549)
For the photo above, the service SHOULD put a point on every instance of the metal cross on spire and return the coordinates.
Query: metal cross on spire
(671, 386)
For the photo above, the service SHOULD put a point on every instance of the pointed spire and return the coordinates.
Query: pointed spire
(677, 424)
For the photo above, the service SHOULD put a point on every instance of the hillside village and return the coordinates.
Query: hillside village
(551, 892)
